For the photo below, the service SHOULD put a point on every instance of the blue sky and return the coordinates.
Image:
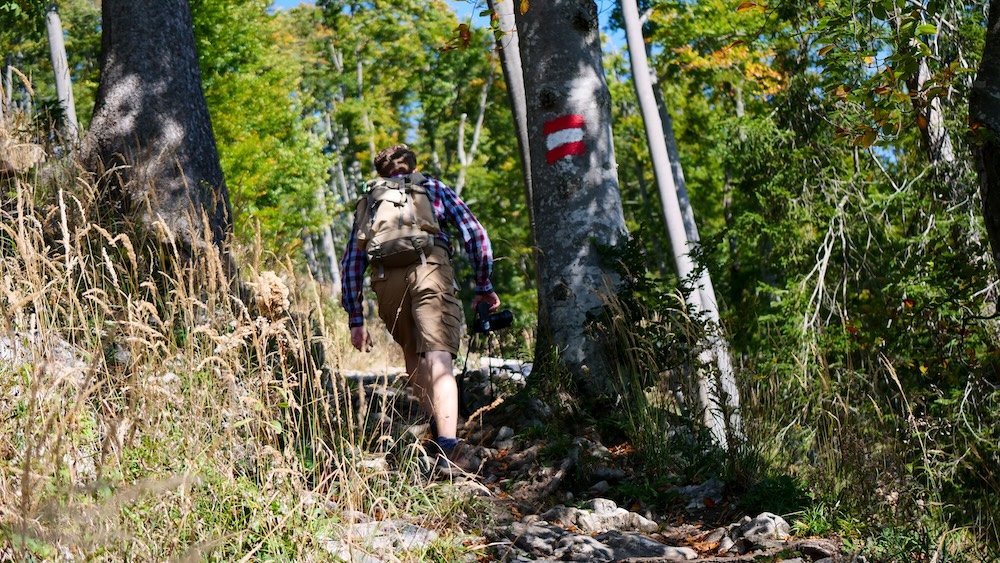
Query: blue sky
(465, 8)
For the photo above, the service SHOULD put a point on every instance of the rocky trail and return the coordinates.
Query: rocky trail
(553, 504)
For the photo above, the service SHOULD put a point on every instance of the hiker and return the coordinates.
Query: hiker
(399, 231)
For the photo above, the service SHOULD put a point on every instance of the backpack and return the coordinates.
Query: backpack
(395, 221)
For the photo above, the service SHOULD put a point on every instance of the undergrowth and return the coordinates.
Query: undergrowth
(153, 410)
(862, 453)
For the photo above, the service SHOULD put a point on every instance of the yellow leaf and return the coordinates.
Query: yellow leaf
(868, 139)
(825, 50)
(923, 368)
(746, 6)
(524, 7)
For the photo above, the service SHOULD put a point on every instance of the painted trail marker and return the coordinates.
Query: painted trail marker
(564, 137)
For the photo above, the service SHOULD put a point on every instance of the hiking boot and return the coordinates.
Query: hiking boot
(461, 460)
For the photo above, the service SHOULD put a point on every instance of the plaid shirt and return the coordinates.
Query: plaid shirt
(448, 209)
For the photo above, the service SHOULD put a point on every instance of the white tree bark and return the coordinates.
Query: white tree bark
(60, 65)
(510, 61)
(466, 158)
(683, 233)
(935, 132)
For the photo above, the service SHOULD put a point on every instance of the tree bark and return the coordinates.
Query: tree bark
(984, 118)
(150, 138)
(510, 61)
(932, 127)
(576, 201)
(60, 66)
(683, 233)
(465, 158)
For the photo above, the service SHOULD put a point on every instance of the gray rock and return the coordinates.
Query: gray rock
(368, 542)
(600, 515)
(765, 527)
(505, 433)
(635, 545)
(715, 535)
(537, 538)
(696, 494)
(576, 547)
(599, 488)
(607, 474)
(726, 544)
(816, 549)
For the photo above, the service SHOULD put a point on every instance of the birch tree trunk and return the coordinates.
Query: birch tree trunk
(151, 121)
(576, 201)
(510, 61)
(931, 122)
(60, 65)
(683, 233)
(984, 120)
(466, 158)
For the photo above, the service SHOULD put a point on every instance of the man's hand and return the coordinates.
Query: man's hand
(360, 339)
(491, 298)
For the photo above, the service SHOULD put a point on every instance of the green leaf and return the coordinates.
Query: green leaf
(926, 29)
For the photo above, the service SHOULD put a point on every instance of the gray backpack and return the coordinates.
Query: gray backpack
(395, 221)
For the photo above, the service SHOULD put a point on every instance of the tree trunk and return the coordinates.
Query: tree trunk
(684, 238)
(510, 61)
(8, 84)
(365, 119)
(465, 158)
(984, 119)
(931, 120)
(576, 201)
(151, 130)
(60, 66)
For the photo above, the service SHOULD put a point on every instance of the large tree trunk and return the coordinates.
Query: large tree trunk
(984, 117)
(576, 203)
(60, 66)
(683, 233)
(151, 130)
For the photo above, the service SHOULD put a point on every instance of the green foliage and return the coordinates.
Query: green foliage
(273, 163)
(780, 494)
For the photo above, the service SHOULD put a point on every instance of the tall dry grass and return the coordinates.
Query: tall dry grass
(149, 412)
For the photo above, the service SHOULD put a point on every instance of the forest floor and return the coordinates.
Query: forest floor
(547, 495)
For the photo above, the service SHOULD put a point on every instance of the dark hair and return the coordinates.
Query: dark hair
(397, 159)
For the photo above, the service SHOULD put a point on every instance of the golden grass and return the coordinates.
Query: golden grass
(149, 413)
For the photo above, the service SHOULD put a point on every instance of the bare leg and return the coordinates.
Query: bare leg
(421, 385)
(443, 388)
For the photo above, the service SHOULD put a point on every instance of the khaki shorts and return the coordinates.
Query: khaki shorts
(419, 305)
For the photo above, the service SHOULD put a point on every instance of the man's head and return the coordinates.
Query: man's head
(395, 160)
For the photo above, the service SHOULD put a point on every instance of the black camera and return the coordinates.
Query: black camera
(488, 322)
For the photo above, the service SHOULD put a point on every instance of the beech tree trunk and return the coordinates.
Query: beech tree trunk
(984, 120)
(150, 138)
(575, 201)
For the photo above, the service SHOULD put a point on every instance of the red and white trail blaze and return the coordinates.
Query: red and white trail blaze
(564, 137)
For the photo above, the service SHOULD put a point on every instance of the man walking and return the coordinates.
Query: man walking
(399, 231)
